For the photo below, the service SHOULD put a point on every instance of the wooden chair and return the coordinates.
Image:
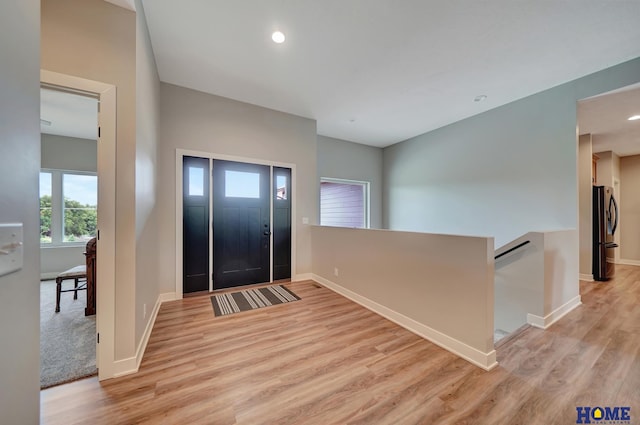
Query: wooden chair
(84, 279)
(78, 274)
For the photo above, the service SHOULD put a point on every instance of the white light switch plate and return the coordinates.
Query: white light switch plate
(11, 248)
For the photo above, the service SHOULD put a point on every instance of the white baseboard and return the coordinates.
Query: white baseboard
(486, 361)
(124, 367)
(586, 277)
(302, 276)
(629, 262)
(554, 316)
(167, 296)
(131, 365)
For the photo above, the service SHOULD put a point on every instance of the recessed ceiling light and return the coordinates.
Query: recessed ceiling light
(633, 118)
(277, 37)
(480, 98)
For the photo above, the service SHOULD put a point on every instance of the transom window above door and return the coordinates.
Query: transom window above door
(241, 184)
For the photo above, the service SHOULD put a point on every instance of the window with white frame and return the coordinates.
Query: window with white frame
(68, 207)
(344, 203)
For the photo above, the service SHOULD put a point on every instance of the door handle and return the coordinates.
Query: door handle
(267, 233)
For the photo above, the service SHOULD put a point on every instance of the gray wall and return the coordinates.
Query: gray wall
(147, 111)
(630, 209)
(438, 286)
(20, 165)
(502, 173)
(96, 40)
(215, 125)
(584, 198)
(353, 161)
(69, 153)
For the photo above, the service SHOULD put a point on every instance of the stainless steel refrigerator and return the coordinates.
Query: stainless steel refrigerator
(605, 222)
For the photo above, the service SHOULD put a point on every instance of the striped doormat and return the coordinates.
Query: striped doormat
(250, 299)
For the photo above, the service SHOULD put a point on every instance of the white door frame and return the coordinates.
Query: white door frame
(180, 154)
(105, 274)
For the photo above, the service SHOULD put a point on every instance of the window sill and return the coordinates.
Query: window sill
(66, 245)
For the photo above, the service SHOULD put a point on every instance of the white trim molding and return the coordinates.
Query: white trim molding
(48, 276)
(554, 316)
(132, 365)
(105, 274)
(586, 277)
(629, 262)
(124, 367)
(302, 276)
(486, 361)
(166, 297)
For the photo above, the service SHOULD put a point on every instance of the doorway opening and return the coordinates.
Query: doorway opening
(609, 155)
(105, 96)
(68, 222)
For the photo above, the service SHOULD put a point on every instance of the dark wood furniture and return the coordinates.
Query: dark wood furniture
(90, 255)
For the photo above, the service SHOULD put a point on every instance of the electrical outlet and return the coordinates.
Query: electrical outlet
(144, 311)
(335, 271)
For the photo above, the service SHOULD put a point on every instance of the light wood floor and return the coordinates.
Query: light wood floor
(325, 360)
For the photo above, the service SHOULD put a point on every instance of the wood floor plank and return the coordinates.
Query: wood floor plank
(326, 360)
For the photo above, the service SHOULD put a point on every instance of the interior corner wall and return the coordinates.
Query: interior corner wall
(630, 209)
(561, 283)
(585, 161)
(604, 168)
(147, 122)
(502, 173)
(20, 165)
(211, 124)
(608, 167)
(615, 168)
(96, 40)
(347, 160)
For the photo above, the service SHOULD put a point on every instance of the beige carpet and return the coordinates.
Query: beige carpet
(67, 338)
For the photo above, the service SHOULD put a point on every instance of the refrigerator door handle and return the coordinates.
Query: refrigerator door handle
(614, 204)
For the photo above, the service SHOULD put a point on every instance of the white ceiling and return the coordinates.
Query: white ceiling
(70, 115)
(606, 118)
(381, 71)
